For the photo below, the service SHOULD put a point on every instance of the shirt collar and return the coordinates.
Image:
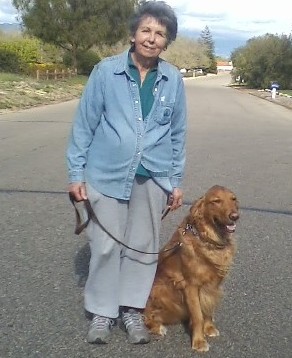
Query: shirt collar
(123, 66)
(132, 64)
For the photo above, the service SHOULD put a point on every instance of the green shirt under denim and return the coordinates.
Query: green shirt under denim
(146, 97)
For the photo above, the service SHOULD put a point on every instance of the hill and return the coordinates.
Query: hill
(9, 28)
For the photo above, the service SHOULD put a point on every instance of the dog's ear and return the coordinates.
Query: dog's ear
(197, 210)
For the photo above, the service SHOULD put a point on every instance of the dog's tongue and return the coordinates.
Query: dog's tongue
(231, 228)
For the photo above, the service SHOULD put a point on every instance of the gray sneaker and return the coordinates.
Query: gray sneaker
(135, 327)
(99, 329)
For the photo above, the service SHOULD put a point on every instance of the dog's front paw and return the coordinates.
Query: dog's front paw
(158, 330)
(200, 345)
(162, 330)
(211, 331)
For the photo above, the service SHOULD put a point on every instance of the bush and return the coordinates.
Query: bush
(85, 61)
(16, 53)
(264, 59)
(26, 55)
(10, 61)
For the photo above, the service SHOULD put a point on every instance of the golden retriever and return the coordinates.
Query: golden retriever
(187, 285)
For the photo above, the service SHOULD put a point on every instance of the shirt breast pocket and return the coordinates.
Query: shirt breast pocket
(164, 113)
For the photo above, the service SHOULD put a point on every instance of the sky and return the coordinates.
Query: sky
(230, 22)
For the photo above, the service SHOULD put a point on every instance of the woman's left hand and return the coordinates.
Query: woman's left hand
(175, 199)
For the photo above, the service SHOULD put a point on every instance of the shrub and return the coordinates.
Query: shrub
(10, 61)
(16, 53)
(85, 61)
(27, 55)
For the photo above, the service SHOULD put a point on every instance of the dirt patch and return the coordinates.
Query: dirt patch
(280, 99)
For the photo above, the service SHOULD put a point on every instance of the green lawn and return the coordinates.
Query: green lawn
(289, 92)
(10, 77)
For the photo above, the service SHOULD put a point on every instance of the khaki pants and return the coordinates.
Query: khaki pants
(119, 276)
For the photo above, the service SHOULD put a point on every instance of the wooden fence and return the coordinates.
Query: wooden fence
(55, 75)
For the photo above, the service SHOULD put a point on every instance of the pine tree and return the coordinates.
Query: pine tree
(207, 40)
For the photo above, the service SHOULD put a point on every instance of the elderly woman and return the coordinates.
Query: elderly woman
(126, 156)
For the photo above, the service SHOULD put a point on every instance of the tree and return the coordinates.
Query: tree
(265, 59)
(207, 40)
(187, 53)
(76, 25)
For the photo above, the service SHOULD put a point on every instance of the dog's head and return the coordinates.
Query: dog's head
(218, 208)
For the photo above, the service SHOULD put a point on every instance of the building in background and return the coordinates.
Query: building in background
(224, 66)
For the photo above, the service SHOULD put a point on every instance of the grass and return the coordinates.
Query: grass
(20, 91)
(288, 92)
(10, 77)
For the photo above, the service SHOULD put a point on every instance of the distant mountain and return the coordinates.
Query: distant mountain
(8, 28)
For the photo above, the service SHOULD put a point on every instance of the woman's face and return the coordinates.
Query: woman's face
(150, 38)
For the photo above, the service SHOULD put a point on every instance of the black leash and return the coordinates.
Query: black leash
(80, 226)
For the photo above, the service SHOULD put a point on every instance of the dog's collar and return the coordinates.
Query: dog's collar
(193, 230)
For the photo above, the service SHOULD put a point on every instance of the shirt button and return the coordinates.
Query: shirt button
(140, 119)
(136, 101)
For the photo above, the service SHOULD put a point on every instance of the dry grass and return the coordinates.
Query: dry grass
(19, 92)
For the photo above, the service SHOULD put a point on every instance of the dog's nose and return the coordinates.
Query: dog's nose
(234, 216)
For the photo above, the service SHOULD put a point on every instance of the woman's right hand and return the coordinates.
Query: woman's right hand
(78, 191)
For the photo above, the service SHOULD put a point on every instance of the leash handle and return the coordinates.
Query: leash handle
(80, 226)
(91, 216)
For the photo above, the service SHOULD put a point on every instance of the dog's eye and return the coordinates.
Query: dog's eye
(216, 201)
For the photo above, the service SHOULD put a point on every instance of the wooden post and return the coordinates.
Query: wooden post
(55, 74)
(47, 74)
(37, 74)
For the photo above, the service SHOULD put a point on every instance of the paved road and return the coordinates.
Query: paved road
(235, 140)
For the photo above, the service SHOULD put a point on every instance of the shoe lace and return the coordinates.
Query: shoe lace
(134, 319)
(100, 322)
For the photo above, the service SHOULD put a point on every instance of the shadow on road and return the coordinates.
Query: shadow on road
(186, 203)
(81, 265)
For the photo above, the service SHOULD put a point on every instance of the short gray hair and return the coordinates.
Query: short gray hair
(161, 11)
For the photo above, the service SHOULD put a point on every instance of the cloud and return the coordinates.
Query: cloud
(231, 22)
(8, 13)
(247, 18)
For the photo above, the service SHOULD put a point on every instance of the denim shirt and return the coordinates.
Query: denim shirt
(109, 137)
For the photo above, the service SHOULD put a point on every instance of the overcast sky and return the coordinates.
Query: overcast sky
(246, 18)
(231, 22)
(7, 11)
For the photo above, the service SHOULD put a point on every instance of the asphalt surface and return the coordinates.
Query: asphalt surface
(234, 139)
